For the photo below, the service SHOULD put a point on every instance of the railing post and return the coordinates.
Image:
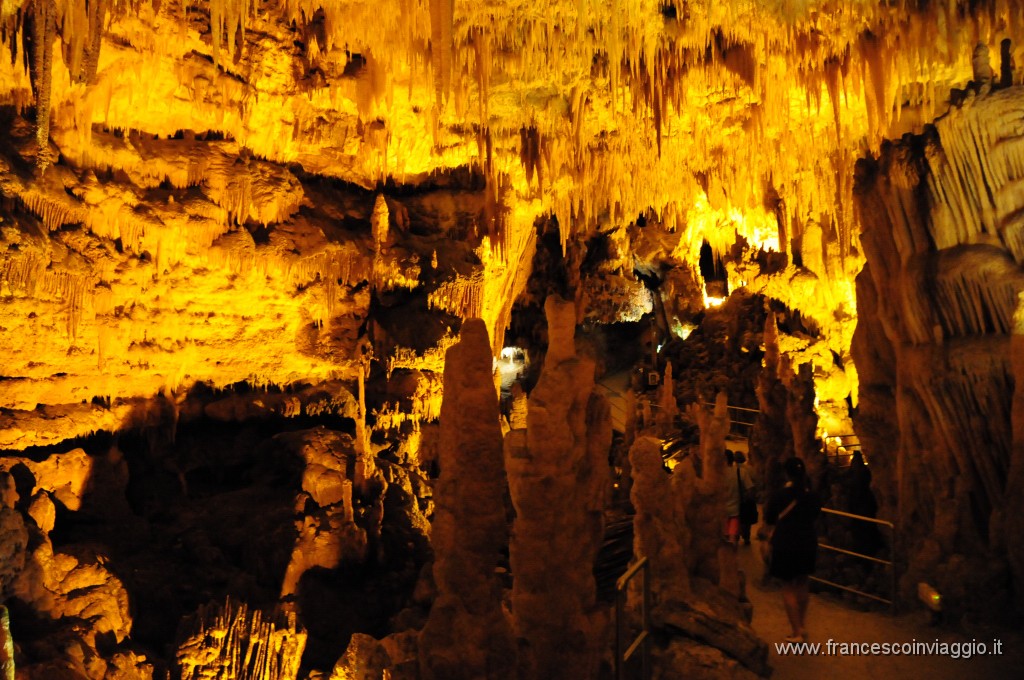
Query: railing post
(622, 654)
(644, 651)
(894, 585)
(618, 634)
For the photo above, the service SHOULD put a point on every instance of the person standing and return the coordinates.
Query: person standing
(748, 496)
(793, 512)
(732, 499)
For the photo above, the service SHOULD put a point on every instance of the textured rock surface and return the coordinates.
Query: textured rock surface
(393, 658)
(258, 212)
(169, 224)
(327, 533)
(234, 641)
(64, 475)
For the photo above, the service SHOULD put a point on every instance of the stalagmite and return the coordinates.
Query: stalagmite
(677, 528)
(467, 634)
(557, 472)
(241, 643)
(668, 410)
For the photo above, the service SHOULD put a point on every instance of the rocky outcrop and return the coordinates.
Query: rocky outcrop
(467, 635)
(327, 532)
(558, 478)
(1014, 513)
(393, 658)
(61, 585)
(83, 604)
(63, 475)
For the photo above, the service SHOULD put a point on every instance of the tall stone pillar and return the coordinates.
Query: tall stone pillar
(771, 441)
(558, 478)
(467, 636)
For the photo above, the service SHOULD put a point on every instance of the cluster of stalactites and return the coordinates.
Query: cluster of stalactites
(236, 642)
(808, 96)
(860, 83)
(228, 19)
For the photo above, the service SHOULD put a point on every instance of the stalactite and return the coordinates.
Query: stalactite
(442, 47)
(97, 15)
(44, 33)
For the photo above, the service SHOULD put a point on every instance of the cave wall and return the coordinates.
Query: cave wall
(942, 229)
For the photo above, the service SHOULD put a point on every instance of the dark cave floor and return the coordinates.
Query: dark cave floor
(829, 617)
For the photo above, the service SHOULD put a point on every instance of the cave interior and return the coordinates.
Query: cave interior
(379, 338)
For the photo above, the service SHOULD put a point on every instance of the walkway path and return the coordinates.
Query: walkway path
(828, 618)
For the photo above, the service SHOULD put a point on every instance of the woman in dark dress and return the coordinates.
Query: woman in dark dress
(793, 511)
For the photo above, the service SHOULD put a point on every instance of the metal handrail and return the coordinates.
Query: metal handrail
(890, 563)
(744, 426)
(641, 641)
(735, 408)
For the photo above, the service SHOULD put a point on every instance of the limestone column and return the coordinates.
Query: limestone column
(660, 531)
(467, 636)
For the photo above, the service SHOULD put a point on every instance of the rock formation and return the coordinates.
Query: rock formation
(238, 238)
(327, 532)
(233, 641)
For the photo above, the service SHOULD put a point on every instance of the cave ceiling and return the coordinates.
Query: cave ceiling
(217, 191)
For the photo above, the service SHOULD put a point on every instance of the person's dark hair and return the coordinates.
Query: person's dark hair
(796, 472)
(729, 456)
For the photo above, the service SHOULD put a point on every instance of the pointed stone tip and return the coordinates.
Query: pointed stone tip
(561, 318)
(473, 330)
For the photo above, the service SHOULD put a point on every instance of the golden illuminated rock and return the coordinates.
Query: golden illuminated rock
(944, 283)
(239, 642)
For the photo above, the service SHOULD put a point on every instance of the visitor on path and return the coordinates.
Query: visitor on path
(792, 512)
(867, 540)
(748, 496)
(737, 481)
